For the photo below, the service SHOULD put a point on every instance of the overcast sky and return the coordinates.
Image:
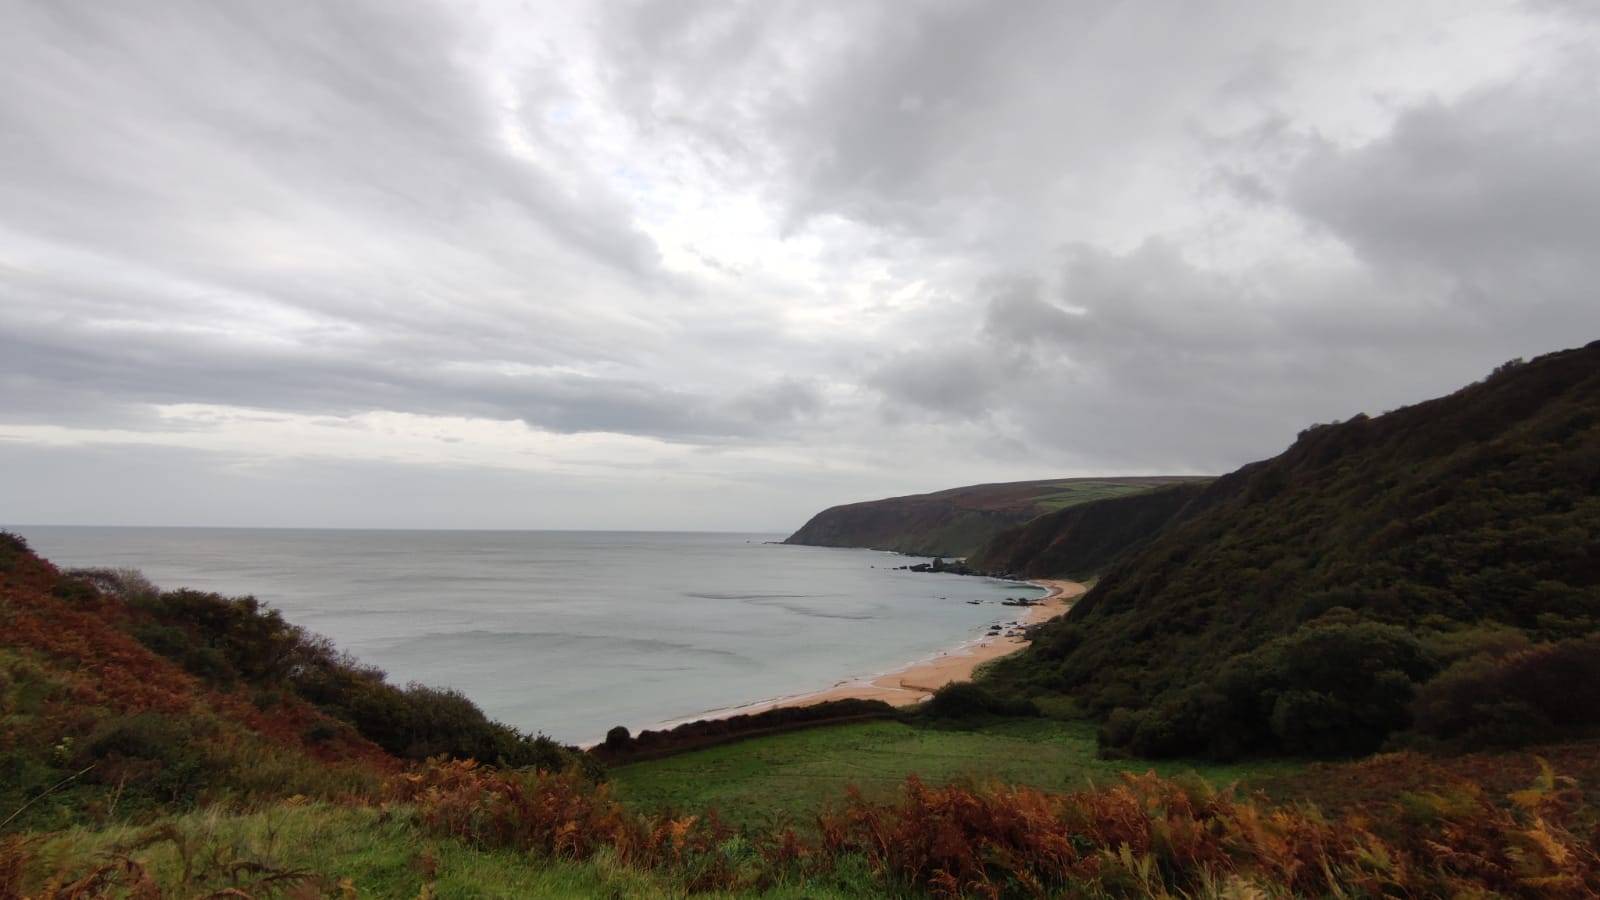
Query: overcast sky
(713, 265)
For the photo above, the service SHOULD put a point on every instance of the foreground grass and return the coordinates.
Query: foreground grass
(787, 778)
(459, 830)
(329, 850)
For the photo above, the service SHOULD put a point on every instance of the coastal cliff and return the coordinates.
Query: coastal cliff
(959, 521)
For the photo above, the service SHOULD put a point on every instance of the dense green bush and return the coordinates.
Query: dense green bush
(620, 748)
(254, 641)
(1325, 689)
(234, 642)
(968, 700)
(1538, 694)
(13, 549)
(156, 753)
(1450, 647)
(207, 662)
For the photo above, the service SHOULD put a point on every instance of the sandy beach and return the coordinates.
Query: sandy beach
(918, 681)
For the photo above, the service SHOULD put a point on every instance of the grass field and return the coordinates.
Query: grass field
(1071, 494)
(788, 777)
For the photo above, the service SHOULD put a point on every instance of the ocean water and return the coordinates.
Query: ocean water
(570, 633)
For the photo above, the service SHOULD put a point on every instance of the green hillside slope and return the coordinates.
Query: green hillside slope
(958, 521)
(1439, 564)
(1082, 540)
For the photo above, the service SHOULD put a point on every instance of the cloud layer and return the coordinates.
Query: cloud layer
(734, 262)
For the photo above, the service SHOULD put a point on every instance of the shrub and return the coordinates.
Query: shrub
(1324, 690)
(968, 700)
(226, 641)
(204, 662)
(321, 733)
(13, 549)
(150, 753)
(649, 744)
(1489, 640)
(128, 585)
(256, 641)
(140, 736)
(75, 591)
(1538, 694)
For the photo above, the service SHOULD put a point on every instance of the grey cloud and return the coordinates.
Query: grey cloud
(958, 381)
(1503, 178)
(61, 370)
(962, 123)
(1018, 313)
(1474, 224)
(1164, 366)
(1022, 239)
(784, 400)
(222, 113)
(175, 172)
(1495, 196)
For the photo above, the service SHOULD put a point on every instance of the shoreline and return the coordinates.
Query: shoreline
(915, 682)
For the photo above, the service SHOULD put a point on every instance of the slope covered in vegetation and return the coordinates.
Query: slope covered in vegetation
(1436, 567)
(176, 744)
(958, 521)
(1085, 539)
(132, 698)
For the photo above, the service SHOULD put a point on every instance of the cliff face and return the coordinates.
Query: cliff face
(958, 521)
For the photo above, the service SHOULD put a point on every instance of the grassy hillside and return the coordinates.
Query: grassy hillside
(958, 521)
(1436, 567)
(173, 744)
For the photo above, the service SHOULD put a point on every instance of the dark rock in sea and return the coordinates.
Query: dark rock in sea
(955, 567)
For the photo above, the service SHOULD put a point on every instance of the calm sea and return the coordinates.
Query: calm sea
(570, 633)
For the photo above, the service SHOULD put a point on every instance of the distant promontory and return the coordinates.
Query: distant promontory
(959, 521)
